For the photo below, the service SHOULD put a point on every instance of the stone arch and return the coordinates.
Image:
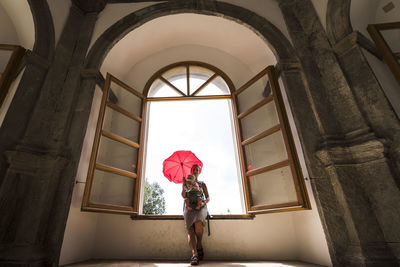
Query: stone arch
(44, 29)
(338, 24)
(277, 42)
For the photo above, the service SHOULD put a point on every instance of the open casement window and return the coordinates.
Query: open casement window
(271, 171)
(10, 59)
(271, 178)
(387, 39)
(112, 184)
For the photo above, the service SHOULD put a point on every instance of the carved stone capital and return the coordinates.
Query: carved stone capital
(34, 164)
(285, 65)
(353, 148)
(353, 39)
(93, 74)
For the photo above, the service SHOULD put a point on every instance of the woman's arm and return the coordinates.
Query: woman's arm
(184, 188)
(205, 190)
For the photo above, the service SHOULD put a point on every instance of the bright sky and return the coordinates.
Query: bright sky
(205, 128)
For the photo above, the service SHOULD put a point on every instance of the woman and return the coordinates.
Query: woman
(195, 219)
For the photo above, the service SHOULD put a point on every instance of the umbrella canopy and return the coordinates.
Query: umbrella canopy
(179, 165)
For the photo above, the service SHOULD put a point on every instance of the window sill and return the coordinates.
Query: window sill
(180, 217)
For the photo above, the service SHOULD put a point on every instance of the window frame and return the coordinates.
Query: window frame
(11, 69)
(87, 205)
(251, 210)
(391, 59)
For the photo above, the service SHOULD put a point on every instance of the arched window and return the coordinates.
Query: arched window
(241, 135)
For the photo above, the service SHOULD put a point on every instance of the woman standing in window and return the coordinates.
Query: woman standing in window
(195, 217)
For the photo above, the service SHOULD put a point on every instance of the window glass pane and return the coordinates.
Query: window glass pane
(160, 89)
(117, 155)
(127, 100)
(252, 95)
(392, 38)
(5, 56)
(266, 151)
(273, 187)
(119, 124)
(260, 120)
(112, 189)
(198, 75)
(217, 87)
(177, 76)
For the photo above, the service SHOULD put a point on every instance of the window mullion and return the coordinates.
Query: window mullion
(188, 79)
(171, 85)
(256, 106)
(215, 75)
(96, 142)
(242, 156)
(119, 139)
(265, 133)
(136, 196)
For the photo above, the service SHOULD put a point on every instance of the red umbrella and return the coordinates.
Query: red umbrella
(179, 165)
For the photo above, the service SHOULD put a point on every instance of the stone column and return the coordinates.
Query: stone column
(37, 186)
(352, 158)
(377, 111)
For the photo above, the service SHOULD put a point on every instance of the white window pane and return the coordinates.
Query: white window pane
(198, 75)
(119, 124)
(260, 120)
(112, 189)
(266, 151)
(392, 38)
(160, 89)
(273, 187)
(177, 76)
(217, 87)
(127, 100)
(252, 95)
(116, 154)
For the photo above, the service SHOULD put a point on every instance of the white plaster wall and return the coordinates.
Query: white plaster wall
(80, 232)
(112, 13)
(59, 11)
(138, 76)
(268, 9)
(311, 240)
(8, 33)
(266, 237)
(364, 12)
(21, 16)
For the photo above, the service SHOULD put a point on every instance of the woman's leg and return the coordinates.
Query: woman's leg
(192, 239)
(198, 228)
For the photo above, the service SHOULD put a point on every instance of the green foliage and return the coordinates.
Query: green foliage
(154, 201)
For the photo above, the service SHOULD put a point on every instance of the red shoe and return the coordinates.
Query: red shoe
(200, 253)
(194, 260)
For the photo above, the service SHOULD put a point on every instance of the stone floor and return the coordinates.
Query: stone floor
(203, 263)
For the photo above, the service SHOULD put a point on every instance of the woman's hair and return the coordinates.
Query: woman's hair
(196, 165)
